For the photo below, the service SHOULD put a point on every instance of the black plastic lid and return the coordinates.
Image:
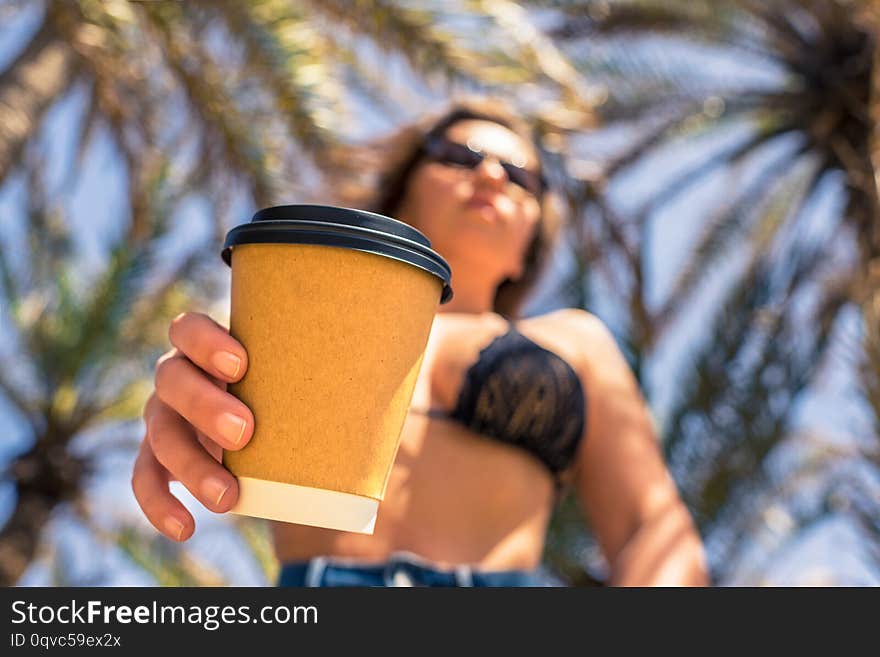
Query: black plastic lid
(343, 227)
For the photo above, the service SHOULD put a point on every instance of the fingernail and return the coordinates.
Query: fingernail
(231, 427)
(214, 489)
(174, 527)
(228, 364)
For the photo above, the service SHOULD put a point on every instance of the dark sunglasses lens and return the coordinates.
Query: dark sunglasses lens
(453, 153)
(450, 152)
(461, 155)
(528, 180)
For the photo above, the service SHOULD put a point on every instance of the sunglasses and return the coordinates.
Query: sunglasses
(445, 151)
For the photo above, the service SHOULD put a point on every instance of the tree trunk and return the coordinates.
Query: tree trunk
(20, 537)
(45, 477)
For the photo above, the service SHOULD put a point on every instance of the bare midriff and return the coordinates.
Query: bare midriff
(453, 496)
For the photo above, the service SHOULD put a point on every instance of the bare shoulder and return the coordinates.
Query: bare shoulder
(584, 334)
(592, 346)
(580, 321)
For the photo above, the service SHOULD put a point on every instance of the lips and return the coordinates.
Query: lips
(482, 200)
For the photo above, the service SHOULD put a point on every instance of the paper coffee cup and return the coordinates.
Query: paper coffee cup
(334, 307)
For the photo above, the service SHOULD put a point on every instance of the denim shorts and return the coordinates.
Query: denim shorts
(401, 569)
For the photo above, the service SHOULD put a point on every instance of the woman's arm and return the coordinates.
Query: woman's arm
(631, 502)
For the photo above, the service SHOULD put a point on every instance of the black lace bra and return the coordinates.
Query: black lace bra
(524, 395)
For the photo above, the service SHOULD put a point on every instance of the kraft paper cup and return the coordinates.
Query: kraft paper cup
(334, 307)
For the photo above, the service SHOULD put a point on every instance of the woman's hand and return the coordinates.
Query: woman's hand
(190, 420)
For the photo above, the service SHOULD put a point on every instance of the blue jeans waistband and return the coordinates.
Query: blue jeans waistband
(401, 569)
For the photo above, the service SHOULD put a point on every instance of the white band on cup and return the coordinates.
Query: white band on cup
(304, 505)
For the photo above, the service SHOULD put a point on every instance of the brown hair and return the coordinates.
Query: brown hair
(395, 158)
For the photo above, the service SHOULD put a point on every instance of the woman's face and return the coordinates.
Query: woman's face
(476, 215)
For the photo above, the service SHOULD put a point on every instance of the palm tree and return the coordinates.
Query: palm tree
(780, 102)
(77, 355)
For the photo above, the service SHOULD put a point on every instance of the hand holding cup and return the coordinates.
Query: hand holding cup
(190, 419)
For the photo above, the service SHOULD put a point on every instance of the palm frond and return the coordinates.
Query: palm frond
(729, 223)
(284, 51)
(258, 539)
(727, 155)
(737, 397)
(229, 135)
(869, 369)
(582, 19)
(537, 52)
(29, 85)
(412, 32)
(163, 560)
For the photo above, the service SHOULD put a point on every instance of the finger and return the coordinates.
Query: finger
(219, 415)
(209, 345)
(174, 352)
(174, 445)
(149, 482)
(210, 446)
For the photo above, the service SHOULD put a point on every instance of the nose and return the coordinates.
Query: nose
(491, 172)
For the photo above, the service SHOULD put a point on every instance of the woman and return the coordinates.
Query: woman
(507, 413)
